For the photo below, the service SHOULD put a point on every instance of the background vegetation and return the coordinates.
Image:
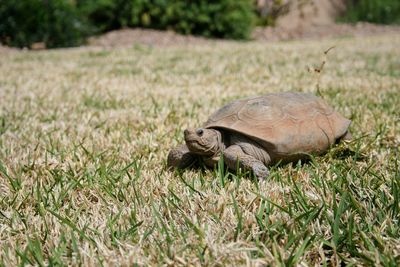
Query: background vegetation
(55, 22)
(67, 23)
(222, 18)
(60, 23)
(376, 11)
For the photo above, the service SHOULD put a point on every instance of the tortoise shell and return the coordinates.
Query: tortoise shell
(283, 123)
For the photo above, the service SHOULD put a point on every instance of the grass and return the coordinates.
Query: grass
(84, 135)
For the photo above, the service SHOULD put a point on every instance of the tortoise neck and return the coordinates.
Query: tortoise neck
(220, 145)
(217, 147)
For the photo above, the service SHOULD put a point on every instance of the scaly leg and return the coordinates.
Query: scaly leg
(347, 136)
(234, 154)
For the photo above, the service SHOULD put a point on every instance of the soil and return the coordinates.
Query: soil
(130, 37)
(305, 13)
(280, 33)
(314, 19)
(6, 49)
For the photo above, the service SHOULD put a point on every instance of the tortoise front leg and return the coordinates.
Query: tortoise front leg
(180, 157)
(234, 154)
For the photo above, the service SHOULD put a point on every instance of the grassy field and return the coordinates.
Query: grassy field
(84, 135)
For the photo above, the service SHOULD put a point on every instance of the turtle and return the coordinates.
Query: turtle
(256, 132)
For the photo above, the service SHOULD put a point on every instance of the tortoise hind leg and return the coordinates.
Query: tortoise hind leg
(347, 136)
(234, 154)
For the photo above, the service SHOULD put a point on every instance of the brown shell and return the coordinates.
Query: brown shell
(286, 123)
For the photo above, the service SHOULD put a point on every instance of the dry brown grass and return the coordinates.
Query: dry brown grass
(84, 135)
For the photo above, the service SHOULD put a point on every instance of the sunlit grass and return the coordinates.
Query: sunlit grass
(84, 135)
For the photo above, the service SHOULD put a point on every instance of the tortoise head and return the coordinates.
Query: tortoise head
(201, 141)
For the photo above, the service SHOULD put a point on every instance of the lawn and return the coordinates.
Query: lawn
(85, 133)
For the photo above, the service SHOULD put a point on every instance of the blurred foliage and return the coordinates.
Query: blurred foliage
(54, 22)
(375, 11)
(223, 19)
(106, 15)
(60, 23)
(68, 22)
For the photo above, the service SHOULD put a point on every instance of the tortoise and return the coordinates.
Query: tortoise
(256, 132)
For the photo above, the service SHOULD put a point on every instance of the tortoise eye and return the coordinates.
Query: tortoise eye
(199, 132)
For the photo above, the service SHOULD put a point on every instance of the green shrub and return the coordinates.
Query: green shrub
(68, 22)
(106, 15)
(55, 22)
(218, 18)
(376, 11)
(223, 18)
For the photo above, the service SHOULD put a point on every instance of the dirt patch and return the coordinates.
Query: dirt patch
(7, 49)
(306, 13)
(130, 37)
(280, 33)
